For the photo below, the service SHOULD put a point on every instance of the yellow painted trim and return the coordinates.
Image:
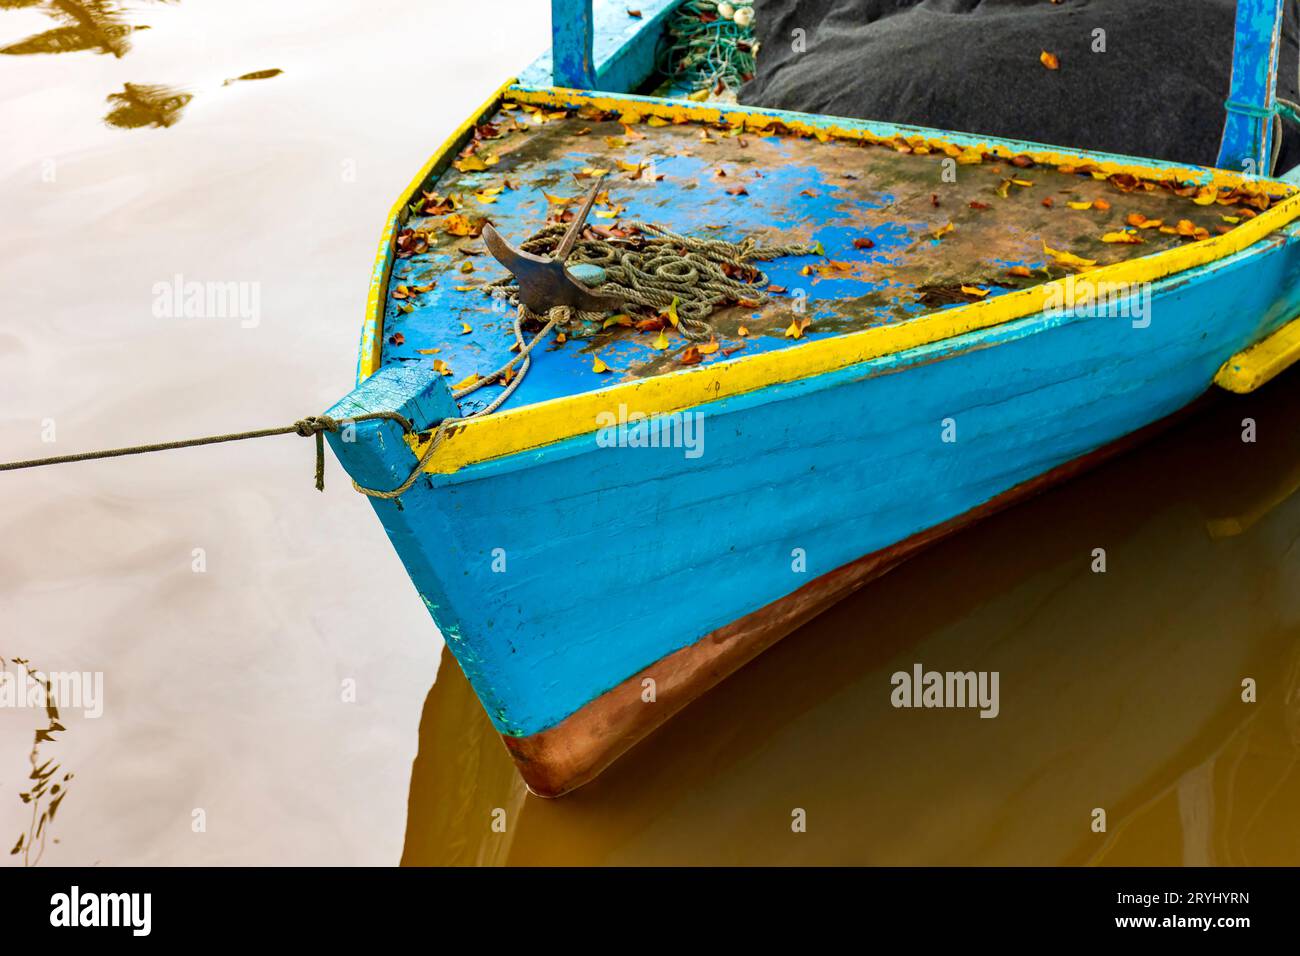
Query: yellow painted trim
(756, 121)
(372, 341)
(1262, 362)
(532, 426)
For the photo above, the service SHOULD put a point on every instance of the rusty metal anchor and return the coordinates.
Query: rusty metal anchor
(544, 281)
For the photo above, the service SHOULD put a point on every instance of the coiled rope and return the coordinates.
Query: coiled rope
(655, 266)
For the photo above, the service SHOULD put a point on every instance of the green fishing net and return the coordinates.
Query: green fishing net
(709, 48)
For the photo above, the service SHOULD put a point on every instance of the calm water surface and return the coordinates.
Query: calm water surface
(293, 695)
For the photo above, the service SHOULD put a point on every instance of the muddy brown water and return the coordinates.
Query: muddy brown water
(273, 691)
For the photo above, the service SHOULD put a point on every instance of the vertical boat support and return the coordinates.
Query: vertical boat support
(573, 33)
(1248, 132)
(600, 45)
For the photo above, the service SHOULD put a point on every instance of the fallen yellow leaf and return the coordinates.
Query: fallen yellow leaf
(1068, 258)
(468, 380)
(597, 365)
(470, 163)
(1049, 60)
(458, 225)
(661, 342)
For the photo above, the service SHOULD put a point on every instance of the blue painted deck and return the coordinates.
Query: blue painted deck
(797, 189)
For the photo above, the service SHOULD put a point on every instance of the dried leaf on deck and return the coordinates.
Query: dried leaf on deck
(1068, 259)
(797, 328)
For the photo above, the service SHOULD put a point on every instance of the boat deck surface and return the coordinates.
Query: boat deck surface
(905, 231)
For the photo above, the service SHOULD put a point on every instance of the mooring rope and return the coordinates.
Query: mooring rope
(317, 425)
(655, 266)
(313, 425)
(654, 269)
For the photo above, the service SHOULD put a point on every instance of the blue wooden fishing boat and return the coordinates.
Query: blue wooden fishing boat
(953, 322)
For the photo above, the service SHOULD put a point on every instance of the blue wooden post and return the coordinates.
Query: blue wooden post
(375, 451)
(572, 33)
(1247, 144)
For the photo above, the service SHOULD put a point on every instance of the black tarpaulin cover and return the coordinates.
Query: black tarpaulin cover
(1156, 91)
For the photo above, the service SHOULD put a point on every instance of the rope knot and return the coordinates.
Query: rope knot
(314, 425)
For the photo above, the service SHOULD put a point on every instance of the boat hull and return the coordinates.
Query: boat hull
(591, 587)
(575, 751)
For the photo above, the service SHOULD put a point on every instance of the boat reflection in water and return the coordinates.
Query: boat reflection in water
(1120, 690)
(98, 25)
